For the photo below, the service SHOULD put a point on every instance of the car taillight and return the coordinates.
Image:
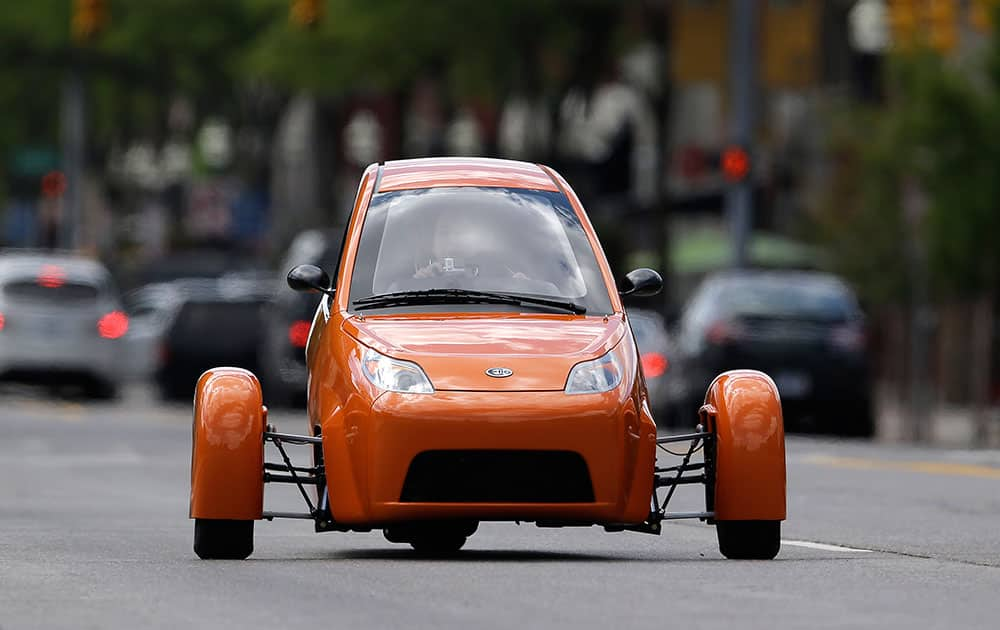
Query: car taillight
(298, 333)
(51, 276)
(3, 321)
(114, 325)
(851, 338)
(654, 364)
(722, 332)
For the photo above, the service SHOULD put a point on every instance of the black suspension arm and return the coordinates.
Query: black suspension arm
(277, 438)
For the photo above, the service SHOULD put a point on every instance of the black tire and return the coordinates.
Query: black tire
(98, 389)
(438, 544)
(860, 420)
(174, 391)
(277, 394)
(432, 537)
(749, 540)
(223, 540)
(683, 414)
(670, 417)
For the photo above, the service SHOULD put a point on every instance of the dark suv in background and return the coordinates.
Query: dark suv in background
(287, 319)
(804, 329)
(216, 321)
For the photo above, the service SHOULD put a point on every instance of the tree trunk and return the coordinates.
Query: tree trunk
(980, 364)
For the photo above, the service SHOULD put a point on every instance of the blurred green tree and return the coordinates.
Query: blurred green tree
(917, 177)
(148, 53)
(387, 43)
(216, 51)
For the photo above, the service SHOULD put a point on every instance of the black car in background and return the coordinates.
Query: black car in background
(287, 319)
(805, 329)
(651, 339)
(216, 321)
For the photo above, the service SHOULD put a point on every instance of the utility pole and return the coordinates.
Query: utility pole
(743, 33)
(73, 148)
(89, 19)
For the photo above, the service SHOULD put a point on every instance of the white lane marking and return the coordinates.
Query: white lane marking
(823, 547)
(67, 460)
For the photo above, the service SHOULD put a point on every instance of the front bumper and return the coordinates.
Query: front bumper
(614, 440)
(94, 357)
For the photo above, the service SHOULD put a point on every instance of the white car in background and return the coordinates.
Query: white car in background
(61, 322)
(150, 309)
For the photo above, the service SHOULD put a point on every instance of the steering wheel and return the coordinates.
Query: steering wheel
(446, 267)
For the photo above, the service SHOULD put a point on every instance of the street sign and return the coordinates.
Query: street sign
(33, 161)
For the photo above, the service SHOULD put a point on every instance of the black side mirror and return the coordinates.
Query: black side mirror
(640, 282)
(309, 278)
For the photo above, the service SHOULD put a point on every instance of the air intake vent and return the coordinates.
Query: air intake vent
(494, 476)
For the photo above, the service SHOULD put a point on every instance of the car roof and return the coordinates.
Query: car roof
(77, 268)
(204, 263)
(234, 286)
(783, 276)
(453, 171)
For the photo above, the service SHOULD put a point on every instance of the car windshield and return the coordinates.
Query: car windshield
(526, 242)
(54, 291)
(785, 297)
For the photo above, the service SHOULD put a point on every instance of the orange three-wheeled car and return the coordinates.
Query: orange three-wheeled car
(471, 361)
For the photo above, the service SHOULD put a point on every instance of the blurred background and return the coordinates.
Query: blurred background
(837, 156)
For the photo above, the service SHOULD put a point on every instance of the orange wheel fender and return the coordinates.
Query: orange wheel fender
(227, 449)
(643, 433)
(744, 411)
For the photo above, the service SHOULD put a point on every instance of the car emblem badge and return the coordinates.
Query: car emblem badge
(499, 372)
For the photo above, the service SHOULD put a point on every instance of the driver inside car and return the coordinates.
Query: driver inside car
(465, 256)
(447, 265)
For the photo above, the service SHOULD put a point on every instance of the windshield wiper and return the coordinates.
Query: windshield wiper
(463, 296)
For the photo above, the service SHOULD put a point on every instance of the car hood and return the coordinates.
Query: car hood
(456, 351)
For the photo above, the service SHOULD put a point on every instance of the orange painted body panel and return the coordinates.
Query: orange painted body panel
(227, 453)
(455, 350)
(436, 172)
(371, 436)
(402, 428)
(750, 447)
(640, 430)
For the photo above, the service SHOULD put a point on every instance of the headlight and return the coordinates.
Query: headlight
(394, 375)
(593, 377)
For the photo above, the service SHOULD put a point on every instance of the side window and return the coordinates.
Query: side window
(697, 317)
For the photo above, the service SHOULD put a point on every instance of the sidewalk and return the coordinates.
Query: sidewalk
(950, 426)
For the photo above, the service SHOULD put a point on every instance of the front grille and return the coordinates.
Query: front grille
(493, 476)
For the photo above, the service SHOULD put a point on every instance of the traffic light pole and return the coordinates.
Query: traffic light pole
(73, 138)
(743, 99)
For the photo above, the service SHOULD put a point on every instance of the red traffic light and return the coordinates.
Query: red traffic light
(735, 163)
(53, 184)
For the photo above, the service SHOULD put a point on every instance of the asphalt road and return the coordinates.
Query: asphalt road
(94, 534)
